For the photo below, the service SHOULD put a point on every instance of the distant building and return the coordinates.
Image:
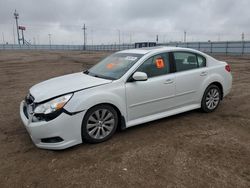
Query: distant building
(145, 44)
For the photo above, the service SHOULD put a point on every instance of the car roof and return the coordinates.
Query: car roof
(159, 49)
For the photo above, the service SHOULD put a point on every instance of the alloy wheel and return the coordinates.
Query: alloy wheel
(100, 124)
(212, 98)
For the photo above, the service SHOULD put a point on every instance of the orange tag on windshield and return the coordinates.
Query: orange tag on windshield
(159, 63)
(110, 66)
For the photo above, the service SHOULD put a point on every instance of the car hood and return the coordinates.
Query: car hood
(64, 84)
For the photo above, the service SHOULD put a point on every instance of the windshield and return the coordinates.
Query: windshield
(114, 66)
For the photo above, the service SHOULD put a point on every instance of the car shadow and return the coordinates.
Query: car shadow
(134, 129)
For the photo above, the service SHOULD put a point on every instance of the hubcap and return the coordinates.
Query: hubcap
(100, 124)
(212, 99)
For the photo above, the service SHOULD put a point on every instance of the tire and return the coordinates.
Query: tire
(99, 124)
(211, 98)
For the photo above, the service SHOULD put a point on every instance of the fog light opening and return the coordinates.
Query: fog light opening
(52, 140)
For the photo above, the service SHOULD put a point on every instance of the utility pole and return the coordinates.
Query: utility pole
(84, 35)
(3, 38)
(219, 37)
(34, 41)
(119, 38)
(38, 40)
(49, 40)
(92, 41)
(16, 15)
(185, 36)
(123, 36)
(243, 37)
(14, 38)
(157, 38)
(130, 38)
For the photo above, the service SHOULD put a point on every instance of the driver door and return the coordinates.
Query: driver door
(155, 95)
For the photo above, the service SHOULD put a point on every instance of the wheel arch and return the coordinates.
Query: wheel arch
(121, 118)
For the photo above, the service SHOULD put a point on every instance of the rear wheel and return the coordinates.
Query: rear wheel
(99, 124)
(211, 98)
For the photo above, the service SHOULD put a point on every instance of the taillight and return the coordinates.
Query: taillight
(228, 69)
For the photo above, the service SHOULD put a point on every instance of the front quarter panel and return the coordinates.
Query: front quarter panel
(113, 93)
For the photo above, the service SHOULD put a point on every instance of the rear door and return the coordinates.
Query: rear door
(191, 71)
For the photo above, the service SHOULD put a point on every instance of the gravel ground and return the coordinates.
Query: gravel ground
(192, 149)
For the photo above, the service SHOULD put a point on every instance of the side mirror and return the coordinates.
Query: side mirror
(140, 76)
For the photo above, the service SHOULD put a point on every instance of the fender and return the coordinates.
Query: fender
(113, 93)
(213, 77)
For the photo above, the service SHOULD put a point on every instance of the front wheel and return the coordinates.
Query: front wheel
(99, 124)
(211, 98)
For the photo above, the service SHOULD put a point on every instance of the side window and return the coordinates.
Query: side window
(185, 61)
(156, 66)
(201, 61)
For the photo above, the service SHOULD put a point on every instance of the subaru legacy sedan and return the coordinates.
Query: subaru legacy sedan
(127, 88)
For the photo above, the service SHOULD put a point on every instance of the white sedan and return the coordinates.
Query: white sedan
(128, 88)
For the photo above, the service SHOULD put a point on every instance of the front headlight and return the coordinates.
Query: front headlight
(53, 105)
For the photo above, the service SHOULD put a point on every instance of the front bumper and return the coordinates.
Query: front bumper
(64, 126)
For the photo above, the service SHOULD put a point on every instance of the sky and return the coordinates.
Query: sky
(132, 20)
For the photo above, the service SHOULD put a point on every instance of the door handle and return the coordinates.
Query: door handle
(169, 81)
(204, 73)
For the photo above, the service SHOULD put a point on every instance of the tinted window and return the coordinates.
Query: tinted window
(185, 61)
(201, 61)
(156, 65)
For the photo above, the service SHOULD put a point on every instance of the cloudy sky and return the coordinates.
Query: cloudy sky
(135, 20)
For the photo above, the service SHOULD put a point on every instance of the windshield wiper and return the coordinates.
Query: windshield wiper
(104, 77)
(97, 75)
